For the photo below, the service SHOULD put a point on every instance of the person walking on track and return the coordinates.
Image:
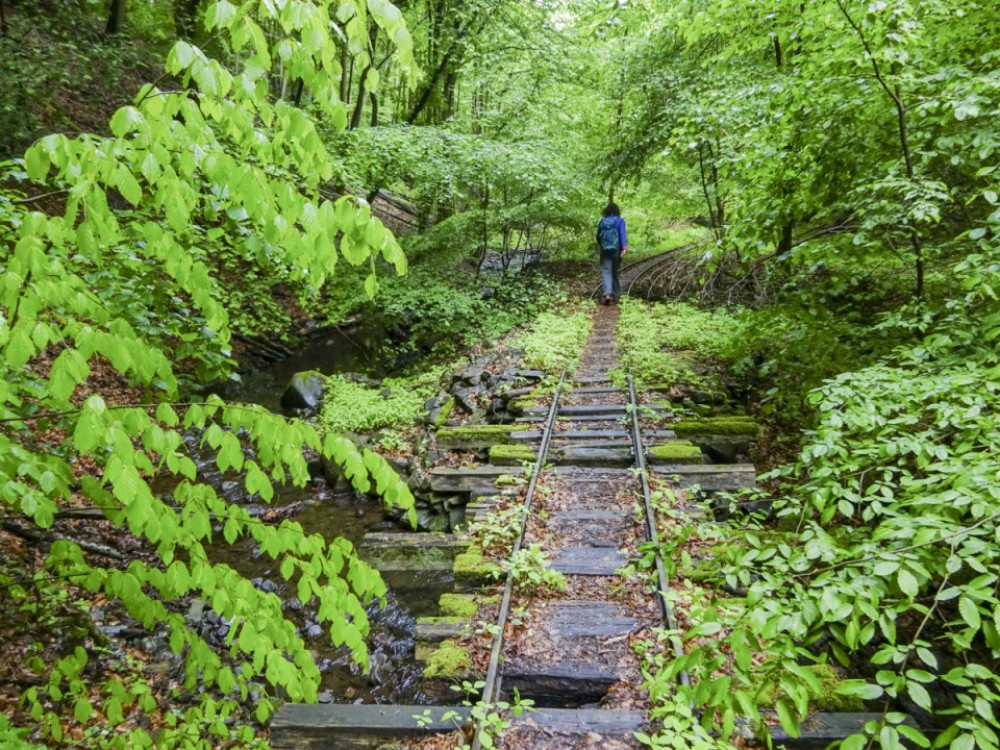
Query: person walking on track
(611, 243)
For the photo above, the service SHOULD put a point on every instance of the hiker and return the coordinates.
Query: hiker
(611, 244)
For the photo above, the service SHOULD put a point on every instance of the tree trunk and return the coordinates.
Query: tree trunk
(785, 243)
(3, 21)
(373, 98)
(359, 104)
(185, 18)
(345, 74)
(116, 17)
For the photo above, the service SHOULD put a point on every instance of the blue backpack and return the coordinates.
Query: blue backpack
(607, 234)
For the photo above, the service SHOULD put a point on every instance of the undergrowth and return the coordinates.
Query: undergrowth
(554, 341)
(676, 343)
(349, 406)
(894, 509)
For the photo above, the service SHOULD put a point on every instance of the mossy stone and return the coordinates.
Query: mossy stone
(458, 605)
(476, 436)
(472, 568)
(448, 660)
(680, 452)
(735, 425)
(511, 455)
(445, 411)
(448, 620)
(519, 404)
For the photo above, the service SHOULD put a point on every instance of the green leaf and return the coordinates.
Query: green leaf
(82, 710)
(788, 717)
(969, 612)
(919, 695)
(907, 583)
(860, 688)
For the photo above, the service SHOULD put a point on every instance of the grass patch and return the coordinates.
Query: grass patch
(458, 605)
(448, 660)
(553, 343)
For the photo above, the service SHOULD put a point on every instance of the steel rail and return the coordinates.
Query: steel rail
(647, 265)
(491, 686)
(652, 535)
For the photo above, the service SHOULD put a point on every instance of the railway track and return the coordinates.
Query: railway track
(573, 652)
(588, 504)
(648, 270)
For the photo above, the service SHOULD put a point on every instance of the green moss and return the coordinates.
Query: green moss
(519, 404)
(826, 699)
(449, 620)
(458, 605)
(716, 426)
(681, 452)
(511, 455)
(448, 660)
(472, 567)
(444, 413)
(356, 407)
(476, 436)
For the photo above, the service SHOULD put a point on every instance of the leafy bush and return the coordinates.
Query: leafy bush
(897, 509)
(447, 314)
(212, 162)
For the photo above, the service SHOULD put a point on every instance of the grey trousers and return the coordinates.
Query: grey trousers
(609, 273)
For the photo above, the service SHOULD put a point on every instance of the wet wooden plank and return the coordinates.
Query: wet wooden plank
(587, 456)
(584, 619)
(479, 480)
(562, 684)
(710, 478)
(583, 720)
(297, 726)
(428, 634)
(587, 561)
(821, 729)
(530, 436)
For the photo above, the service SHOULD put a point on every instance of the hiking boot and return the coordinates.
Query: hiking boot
(607, 299)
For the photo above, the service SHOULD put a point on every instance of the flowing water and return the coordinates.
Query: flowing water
(394, 676)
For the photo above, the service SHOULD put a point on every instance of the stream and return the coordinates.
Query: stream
(394, 677)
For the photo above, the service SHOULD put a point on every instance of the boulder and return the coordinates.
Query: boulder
(467, 398)
(472, 375)
(305, 391)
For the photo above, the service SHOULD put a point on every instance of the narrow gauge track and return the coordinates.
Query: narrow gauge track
(572, 654)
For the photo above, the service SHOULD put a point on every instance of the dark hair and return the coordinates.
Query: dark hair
(611, 210)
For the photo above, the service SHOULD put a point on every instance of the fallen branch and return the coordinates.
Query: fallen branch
(36, 535)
